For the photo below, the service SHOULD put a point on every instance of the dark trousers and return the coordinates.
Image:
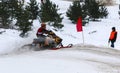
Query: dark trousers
(112, 44)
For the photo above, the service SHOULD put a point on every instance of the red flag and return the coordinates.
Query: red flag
(79, 25)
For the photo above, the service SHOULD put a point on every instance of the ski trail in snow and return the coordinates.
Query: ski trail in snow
(80, 47)
(108, 53)
(106, 60)
(98, 50)
(105, 67)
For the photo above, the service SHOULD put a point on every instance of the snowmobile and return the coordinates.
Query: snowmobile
(55, 41)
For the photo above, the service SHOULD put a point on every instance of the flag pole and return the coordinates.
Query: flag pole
(83, 37)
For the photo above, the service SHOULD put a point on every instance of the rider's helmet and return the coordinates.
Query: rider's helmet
(43, 25)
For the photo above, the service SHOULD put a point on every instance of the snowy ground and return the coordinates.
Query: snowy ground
(79, 59)
(95, 56)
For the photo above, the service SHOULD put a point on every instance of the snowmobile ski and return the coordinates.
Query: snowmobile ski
(61, 47)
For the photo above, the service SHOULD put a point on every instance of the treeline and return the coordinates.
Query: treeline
(16, 14)
(90, 10)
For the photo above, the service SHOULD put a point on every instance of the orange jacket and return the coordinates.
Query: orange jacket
(113, 35)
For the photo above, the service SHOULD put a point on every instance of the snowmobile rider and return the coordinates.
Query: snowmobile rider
(42, 34)
(113, 37)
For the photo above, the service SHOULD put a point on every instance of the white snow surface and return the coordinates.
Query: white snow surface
(93, 56)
